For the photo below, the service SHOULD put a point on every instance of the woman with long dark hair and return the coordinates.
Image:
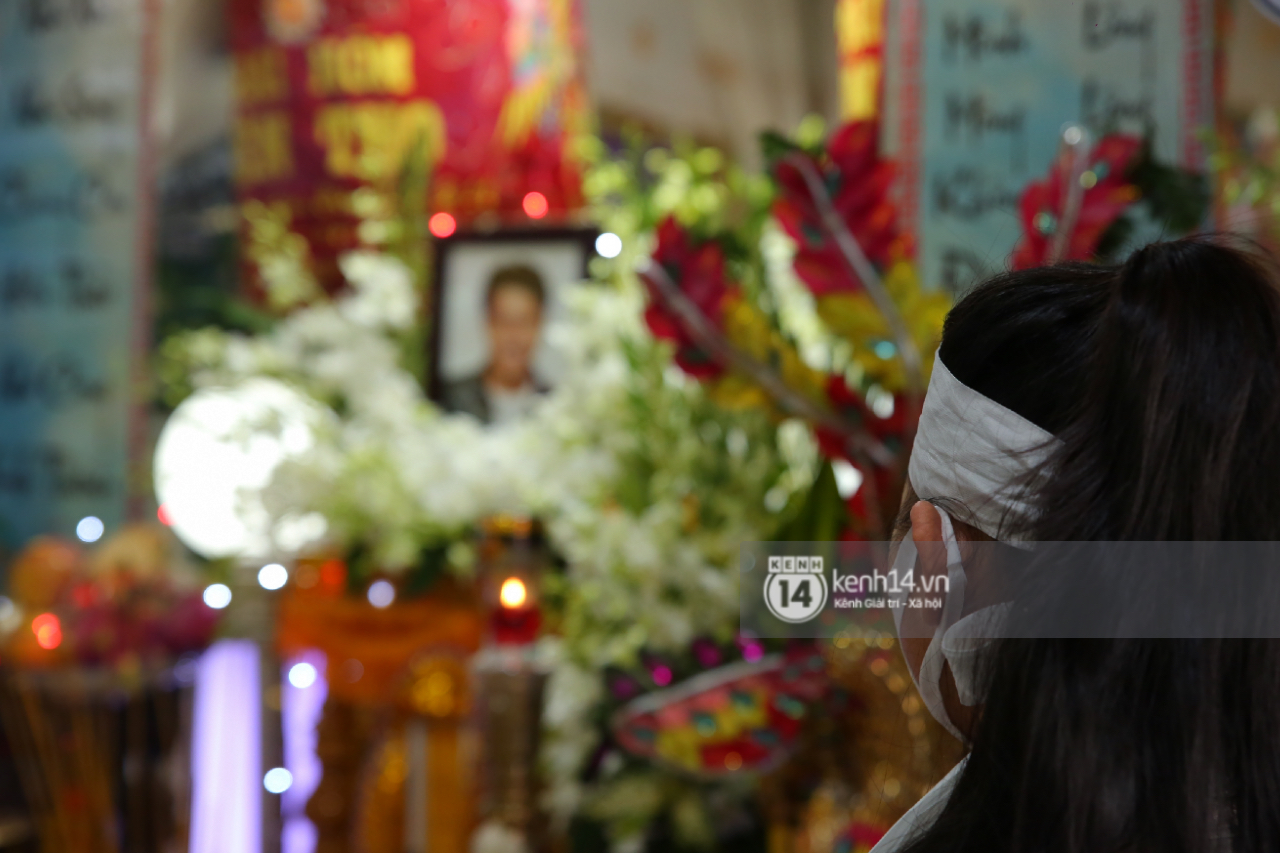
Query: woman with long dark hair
(1138, 402)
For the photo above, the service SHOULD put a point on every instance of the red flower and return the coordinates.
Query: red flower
(850, 404)
(834, 445)
(1101, 205)
(699, 271)
(858, 182)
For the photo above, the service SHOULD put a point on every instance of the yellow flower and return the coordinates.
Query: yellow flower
(735, 392)
(748, 329)
(854, 317)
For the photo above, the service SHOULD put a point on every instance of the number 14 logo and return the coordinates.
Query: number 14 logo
(795, 597)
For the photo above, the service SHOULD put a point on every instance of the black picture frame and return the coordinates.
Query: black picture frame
(444, 248)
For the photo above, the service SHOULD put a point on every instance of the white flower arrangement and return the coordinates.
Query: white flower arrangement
(647, 488)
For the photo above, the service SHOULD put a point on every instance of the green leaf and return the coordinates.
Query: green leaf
(821, 516)
(774, 146)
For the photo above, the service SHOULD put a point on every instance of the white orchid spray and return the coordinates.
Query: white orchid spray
(647, 488)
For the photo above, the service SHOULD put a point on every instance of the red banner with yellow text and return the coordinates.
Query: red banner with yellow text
(336, 99)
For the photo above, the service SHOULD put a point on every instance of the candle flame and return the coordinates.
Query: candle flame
(513, 593)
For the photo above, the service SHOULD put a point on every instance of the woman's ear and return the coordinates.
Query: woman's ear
(926, 530)
(926, 522)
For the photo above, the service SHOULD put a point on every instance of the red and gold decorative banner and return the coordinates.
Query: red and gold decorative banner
(336, 97)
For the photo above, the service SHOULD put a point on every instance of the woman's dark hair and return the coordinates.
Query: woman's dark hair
(1161, 378)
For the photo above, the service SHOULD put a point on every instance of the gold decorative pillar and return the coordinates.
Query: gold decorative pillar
(440, 788)
(510, 686)
(397, 678)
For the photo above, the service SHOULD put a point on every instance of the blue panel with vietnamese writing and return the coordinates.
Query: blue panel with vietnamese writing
(978, 91)
(70, 119)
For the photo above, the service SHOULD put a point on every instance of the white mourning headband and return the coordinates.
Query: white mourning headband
(973, 450)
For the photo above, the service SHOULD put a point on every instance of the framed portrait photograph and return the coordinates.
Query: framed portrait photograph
(494, 295)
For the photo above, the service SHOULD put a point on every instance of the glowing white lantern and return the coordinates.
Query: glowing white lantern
(609, 245)
(90, 529)
(302, 675)
(381, 594)
(273, 576)
(217, 450)
(217, 595)
(278, 780)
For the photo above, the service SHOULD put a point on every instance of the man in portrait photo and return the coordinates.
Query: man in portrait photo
(506, 389)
